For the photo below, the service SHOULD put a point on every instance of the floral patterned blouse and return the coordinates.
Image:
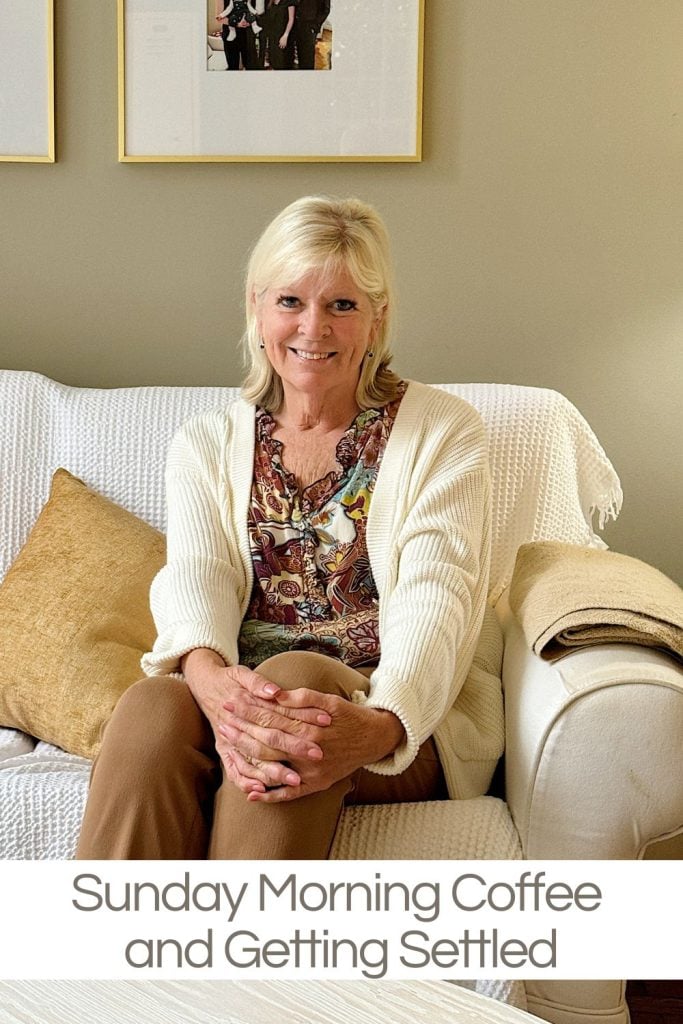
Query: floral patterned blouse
(313, 585)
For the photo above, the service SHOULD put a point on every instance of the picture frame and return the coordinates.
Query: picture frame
(366, 107)
(27, 105)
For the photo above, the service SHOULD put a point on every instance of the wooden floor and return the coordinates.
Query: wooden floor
(655, 1002)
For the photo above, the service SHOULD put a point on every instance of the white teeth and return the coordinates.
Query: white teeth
(312, 355)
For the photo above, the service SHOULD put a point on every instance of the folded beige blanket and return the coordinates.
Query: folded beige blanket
(566, 596)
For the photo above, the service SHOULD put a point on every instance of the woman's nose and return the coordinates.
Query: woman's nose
(314, 322)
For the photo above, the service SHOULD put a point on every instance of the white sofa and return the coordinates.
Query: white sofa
(590, 740)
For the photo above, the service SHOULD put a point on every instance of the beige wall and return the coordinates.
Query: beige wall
(540, 241)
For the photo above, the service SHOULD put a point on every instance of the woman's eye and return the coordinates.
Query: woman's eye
(344, 305)
(288, 301)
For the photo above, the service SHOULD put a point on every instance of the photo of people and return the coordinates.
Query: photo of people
(269, 35)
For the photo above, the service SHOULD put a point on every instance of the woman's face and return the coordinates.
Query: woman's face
(316, 332)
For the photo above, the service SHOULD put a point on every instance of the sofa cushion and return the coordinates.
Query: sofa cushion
(74, 616)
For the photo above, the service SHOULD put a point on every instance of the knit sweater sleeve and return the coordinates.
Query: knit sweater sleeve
(435, 588)
(195, 599)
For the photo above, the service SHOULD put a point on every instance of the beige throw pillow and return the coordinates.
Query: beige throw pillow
(74, 616)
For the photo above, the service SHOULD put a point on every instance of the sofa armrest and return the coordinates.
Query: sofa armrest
(594, 748)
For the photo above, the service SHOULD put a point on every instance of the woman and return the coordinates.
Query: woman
(328, 545)
(278, 21)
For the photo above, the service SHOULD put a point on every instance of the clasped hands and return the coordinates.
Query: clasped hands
(278, 744)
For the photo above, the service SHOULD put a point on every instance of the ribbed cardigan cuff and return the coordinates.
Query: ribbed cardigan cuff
(180, 640)
(407, 711)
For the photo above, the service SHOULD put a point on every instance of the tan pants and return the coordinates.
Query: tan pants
(157, 789)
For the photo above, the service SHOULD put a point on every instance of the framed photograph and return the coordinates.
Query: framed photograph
(27, 121)
(318, 80)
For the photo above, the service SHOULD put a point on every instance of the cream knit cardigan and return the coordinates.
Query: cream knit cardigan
(428, 542)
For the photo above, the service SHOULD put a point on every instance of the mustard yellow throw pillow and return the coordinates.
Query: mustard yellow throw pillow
(74, 616)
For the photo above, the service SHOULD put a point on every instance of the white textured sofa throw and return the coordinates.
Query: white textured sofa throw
(549, 472)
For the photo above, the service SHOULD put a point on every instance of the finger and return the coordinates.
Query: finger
(270, 773)
(270, 739)
(249, 770)
(270, 716)
(233, 774)
(254, 682)
(308, 716)
(280, 795)
(248, 746)
(302, 697)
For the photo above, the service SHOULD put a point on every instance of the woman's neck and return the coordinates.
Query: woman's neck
(322, 414)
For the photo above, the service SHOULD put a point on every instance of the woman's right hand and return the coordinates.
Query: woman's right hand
(213, 685)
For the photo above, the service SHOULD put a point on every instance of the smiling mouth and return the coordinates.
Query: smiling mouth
(316, 356)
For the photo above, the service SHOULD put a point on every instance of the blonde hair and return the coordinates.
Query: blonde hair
(328, 236)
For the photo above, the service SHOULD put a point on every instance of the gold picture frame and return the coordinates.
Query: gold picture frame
(27, 117)
(367, 108)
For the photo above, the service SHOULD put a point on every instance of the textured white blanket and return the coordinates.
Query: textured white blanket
(43, 798)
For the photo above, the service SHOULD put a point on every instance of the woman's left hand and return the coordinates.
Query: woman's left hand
(283, 41)
(357, 735)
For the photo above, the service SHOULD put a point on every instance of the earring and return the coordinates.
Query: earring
(370, 354)
(261, 345)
